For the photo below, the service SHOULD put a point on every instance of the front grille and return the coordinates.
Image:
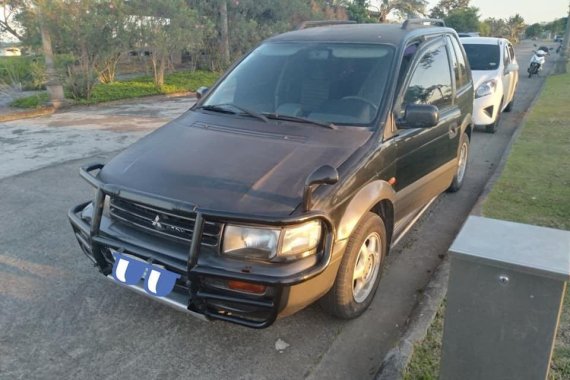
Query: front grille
(162, 223)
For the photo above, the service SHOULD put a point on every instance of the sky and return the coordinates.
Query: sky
(531, 10)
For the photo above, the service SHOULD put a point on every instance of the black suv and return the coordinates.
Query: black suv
(289, 180)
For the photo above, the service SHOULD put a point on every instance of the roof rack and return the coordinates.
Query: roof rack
(311, 24)
(423, 22)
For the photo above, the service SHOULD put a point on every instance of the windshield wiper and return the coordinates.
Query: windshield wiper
(224, 108)
(298, 119)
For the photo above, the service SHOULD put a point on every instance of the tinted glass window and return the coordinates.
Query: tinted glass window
(511, 52)
(337, 83)
(460, 68)
(483, 57)
(431, 81)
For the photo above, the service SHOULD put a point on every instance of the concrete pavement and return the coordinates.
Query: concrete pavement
(80, 132)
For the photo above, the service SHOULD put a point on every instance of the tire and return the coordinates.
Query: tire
(492, 128)
(509, 106)
(462, 160)
(344, 300)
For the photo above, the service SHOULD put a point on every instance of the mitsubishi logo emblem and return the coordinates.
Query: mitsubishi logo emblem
(156, 223)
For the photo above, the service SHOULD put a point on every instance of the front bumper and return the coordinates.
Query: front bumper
(290, 286)
(486, 109)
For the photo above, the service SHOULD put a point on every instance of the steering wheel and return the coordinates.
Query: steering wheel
(363, 100)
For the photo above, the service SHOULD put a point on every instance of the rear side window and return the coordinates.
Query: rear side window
(511, 51)
(458, 59)
(431, 81)
(506, 58)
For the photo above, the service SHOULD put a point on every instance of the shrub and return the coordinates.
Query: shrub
(80, 83)
(34, 101)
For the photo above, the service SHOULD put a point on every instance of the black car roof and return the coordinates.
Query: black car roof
(360, 33)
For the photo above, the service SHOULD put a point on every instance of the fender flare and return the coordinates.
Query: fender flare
(362, 202)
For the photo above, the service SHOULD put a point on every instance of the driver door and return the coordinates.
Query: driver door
(425, 153)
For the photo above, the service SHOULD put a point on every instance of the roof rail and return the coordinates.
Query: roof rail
(423, 22)
(310, 24)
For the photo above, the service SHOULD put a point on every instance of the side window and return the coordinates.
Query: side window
(506, 58)
(431, 81)
(461, 74)
(511, 52)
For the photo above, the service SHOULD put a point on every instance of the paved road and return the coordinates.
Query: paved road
(60, 319)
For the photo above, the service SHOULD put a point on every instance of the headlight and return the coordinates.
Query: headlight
(249, 242)
(269, 243)
(300, 241)
(486, 88)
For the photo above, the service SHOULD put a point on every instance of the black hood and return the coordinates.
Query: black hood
(231, 163)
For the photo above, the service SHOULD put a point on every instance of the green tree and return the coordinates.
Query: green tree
(250, 21)
(444, 7)
(404, 8)
(166, 27)
(9, 25)
(484, 29)
(557, 26)
(534, 30)
(515, 26)
(358, 11)
(496, 27)
(94, 31)
(463, 19)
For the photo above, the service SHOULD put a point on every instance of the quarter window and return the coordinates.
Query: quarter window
(431, 81)
(506, 58)
(511, 52)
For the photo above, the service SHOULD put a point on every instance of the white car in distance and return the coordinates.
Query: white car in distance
(495, 76)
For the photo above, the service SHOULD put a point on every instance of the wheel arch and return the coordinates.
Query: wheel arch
(385, 210)
(377, 196)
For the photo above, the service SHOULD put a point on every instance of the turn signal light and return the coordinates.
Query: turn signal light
(246, 287)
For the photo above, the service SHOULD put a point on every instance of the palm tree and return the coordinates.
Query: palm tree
(515, 25)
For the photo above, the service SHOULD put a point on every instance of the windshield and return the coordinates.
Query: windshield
(324, 82)
(483, 57)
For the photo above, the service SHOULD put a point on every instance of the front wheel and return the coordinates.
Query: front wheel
(360, 270)
(509, 106)
(462, 158)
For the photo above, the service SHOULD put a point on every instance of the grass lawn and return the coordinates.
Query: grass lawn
(180, 81)
(534, 188)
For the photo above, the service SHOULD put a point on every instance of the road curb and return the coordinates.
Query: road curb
(27, 114)
(397, 359)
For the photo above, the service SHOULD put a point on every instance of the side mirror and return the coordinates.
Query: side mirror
(420, 116)
(325, 175)
(201, 92)
(511, 67)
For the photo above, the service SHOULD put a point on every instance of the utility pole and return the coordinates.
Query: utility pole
(54, 87)
(564, 51)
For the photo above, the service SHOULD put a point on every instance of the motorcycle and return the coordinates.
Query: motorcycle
(536, 62)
